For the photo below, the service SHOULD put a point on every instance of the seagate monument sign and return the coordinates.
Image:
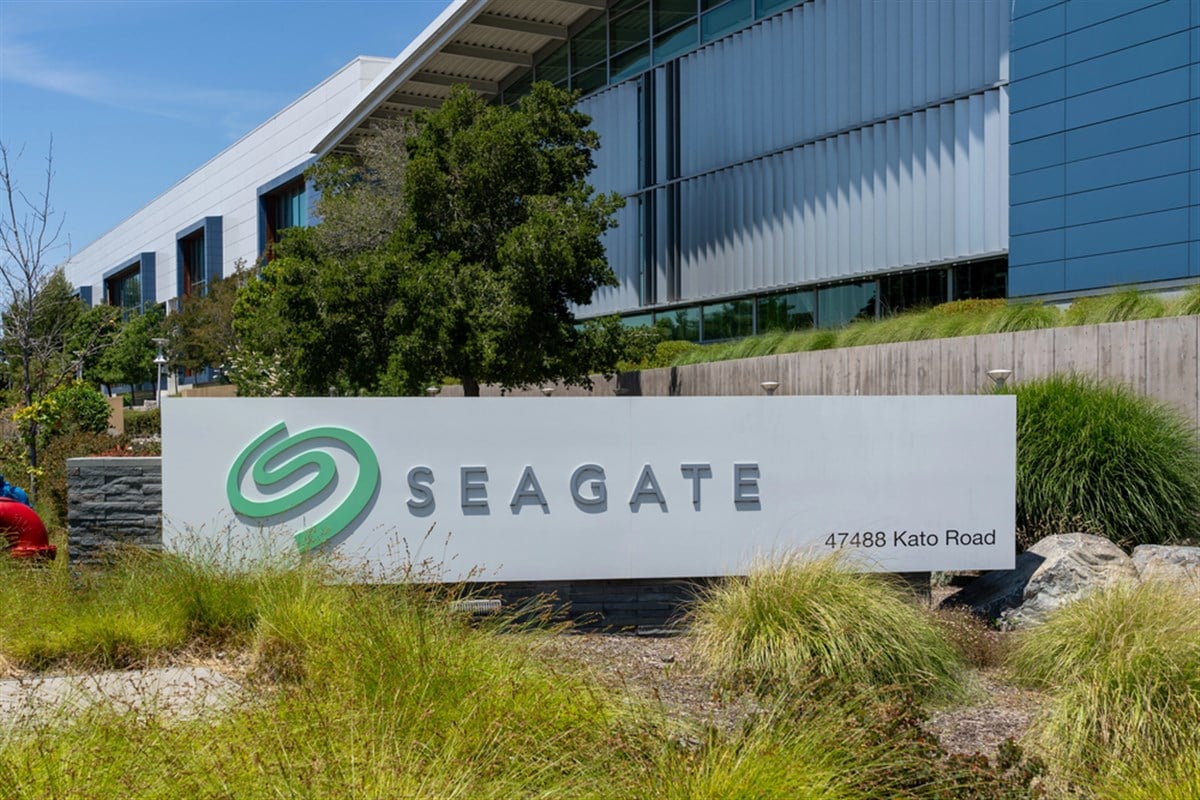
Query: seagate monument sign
(596, 488)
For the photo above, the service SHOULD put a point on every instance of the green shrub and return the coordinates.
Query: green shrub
(796, 620)
(143, 423)
(1116, 307)
(79, 408)
(1123, 669)
(1097, 457)
(669, 352)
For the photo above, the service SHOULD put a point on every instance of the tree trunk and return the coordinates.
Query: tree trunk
(470, 387)
(31, 445)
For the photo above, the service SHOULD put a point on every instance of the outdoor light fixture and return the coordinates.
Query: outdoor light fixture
(547, 390)
(160, 361)
(769, 386)
(79, 365)
(999, 376)
(433, 391)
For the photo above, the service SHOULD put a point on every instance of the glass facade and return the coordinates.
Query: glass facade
(633, 35)
(828, 306)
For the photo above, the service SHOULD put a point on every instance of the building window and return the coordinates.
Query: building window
(198, 253)
(125, 291)
(283, 207)
(840, 305)
(130, 286)
(910, 290)
(792, 311)
(981, 279)
(727, 320)
(191, 258)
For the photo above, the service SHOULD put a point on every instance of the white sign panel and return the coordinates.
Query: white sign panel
(579, 488)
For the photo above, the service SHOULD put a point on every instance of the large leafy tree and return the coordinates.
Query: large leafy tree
(480, 234)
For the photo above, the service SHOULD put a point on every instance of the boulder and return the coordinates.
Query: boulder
(1172, 564)
(1053, 572)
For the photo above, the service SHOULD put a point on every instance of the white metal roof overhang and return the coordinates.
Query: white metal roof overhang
(485, 44)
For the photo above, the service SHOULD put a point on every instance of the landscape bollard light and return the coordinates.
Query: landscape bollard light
(999, 376)
(769, 386)
(547, 390)
(160, 361)
(433, 391)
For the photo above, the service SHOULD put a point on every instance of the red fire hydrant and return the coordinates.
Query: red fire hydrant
(25, 531)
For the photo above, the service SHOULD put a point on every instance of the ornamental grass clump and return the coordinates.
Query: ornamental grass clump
(1122, 667)
(138, 609)
(1116, 307)
(794, 621)
(1095, 456)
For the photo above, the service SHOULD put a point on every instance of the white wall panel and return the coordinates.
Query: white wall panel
(226, 186)
(830, 65)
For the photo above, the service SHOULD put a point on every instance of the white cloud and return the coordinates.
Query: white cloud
(234, 110)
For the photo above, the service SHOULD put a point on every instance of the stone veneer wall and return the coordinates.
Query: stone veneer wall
(112, 502)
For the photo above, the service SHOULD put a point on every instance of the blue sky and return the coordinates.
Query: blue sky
(137, 94)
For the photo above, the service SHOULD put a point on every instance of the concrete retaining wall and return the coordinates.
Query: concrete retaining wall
(1156, 357)
(112, 502)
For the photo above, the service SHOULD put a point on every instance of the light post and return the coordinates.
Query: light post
(160, 361)
(999, 376)
(79, 365)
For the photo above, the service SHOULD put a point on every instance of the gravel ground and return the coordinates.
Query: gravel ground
(665, 670)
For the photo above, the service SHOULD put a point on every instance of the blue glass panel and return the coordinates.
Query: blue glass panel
(1031, 248)
(1137, 130)
(839, 305)
(1126, 233)
(1128, 98)
(1126, 65)
(631, 62)
(1040, 216)
(1037, 184)
(1038, 58)
(1038, 27)
(1117, 34)
(728, 17)
(681, 323)
(1036, 153)
(1132, 266)
(728, 320)
(764, 7)
(670, 45)
(1035, 279)
(1194, 258)
(1082, 14)
(787, 312)
(1035, 122)
(1038, 90)
(1136, 164)
(1128, 199)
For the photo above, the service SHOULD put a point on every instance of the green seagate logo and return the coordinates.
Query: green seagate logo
(268, 470)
